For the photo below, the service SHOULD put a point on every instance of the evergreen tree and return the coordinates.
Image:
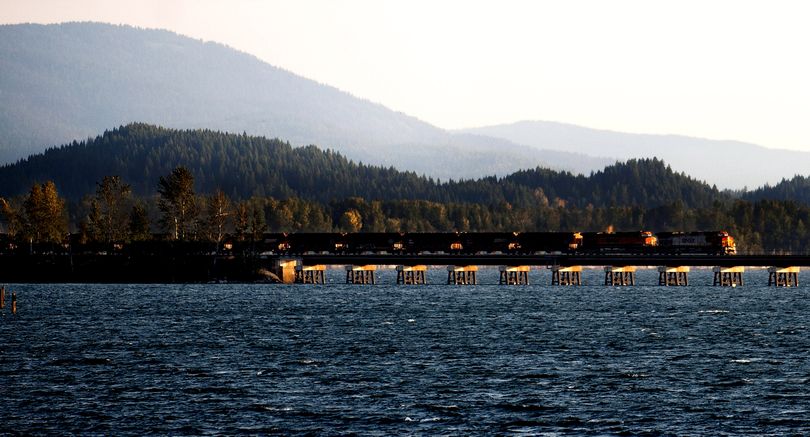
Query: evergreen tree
(139, 229)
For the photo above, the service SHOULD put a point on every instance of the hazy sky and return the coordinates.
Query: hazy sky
(716, 69)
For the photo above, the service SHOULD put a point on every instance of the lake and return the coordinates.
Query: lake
(387, 359)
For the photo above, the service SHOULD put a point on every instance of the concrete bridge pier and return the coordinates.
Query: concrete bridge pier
(620, 276)
(412, 275)
(363, 275)
(728, 276)
(514, 275)
(783, 276)
(571, 275)
(462, 275)
(285, 270)
(310, 274)
(677, 276)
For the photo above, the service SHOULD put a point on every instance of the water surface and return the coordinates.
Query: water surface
(387, 359)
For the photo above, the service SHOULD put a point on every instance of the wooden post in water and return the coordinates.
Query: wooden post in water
(620, 276)
(310, 274)
(783, 276)
(13, 302)
(412, 275)
(515, 275)
(728, 276)
(363, 275)
(462, 275)
(677, 276)
(2, 297)
(571, 275)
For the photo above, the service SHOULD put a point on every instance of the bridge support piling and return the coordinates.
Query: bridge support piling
(363, 275)
(620, 276)
(673, 276)
(728, 276)
(412, 275)
(783, 276)
(310, 274)
(462, 275)
(286, 270)
(571, 275)
(514, 275)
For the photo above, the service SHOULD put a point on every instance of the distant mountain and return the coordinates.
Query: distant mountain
(67, 81)
(243, 165)
(728, 164)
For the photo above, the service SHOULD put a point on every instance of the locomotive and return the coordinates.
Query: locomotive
(707, 243)
(514, 243)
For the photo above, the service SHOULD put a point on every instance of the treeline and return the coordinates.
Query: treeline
(113, 214)
(796, 189)
(243, 166)
(138, 181)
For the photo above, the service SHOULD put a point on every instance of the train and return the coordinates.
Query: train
(513, 243)
(411, 243)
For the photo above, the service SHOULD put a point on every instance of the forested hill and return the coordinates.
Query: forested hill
(796, 189)
(647, 182)
(243, 166)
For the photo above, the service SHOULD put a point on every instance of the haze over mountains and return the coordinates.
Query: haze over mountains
(244, 166)
(76, 80)
(729, 164)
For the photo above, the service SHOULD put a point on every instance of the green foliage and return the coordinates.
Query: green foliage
(796, 189)
(139, 229)
(279, 188)
(243, 166)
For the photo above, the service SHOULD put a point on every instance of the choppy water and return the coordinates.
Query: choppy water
(387, 359)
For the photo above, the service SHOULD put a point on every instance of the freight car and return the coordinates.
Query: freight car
(548, 242)
(619, 242)
(525, 243)
(706, 243)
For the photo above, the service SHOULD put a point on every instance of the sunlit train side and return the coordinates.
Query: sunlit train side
(706, 243)
(516, 243)
(413, 243)
(619, 242)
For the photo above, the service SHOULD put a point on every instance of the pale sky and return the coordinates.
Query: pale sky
(715, 69)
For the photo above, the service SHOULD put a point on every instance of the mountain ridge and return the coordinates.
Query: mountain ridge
(243, 166)
(727, 163)
(65, 81)
(55, 87)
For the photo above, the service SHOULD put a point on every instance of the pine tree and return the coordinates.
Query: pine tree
(139, 223)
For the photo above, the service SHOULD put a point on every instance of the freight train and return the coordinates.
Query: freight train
(516, 243)
(413, 243)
